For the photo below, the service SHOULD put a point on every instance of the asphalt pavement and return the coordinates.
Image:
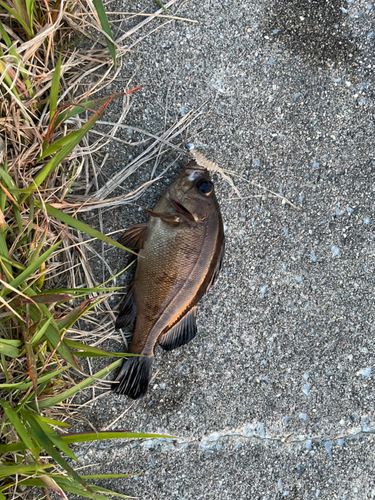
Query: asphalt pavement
(275, 396)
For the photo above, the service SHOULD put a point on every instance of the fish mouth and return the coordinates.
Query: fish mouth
(182, 210)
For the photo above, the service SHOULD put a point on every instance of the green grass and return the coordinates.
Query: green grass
(40, 365)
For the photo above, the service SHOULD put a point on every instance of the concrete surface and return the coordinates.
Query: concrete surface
(275, 397)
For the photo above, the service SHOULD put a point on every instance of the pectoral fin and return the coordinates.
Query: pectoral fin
(134, 237)
(182, 333)
(128, 311)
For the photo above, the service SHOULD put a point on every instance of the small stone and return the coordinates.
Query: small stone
(303, 416)
(367, 220)
(365, 372)
(328, 447)
(313, 256)
(339, 212)
(306, 389)
(335, 251)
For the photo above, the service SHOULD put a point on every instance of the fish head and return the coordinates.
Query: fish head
(193, 193)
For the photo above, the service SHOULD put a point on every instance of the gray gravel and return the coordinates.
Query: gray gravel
(275, 397)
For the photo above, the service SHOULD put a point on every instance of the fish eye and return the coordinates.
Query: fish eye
(205, 187)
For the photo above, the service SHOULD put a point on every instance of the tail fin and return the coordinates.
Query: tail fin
(134, 377)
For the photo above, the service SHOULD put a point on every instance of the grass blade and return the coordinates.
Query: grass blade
(76, 109)
(68, 148)
(158, 2)
(18, 18)
(29, 470)
(52, 333)
(41, 380)
(98, 436)
(52, 485)
(81, 226)
(52, 435)
(76, 490)
(10, 349)
(44, 441)
(54, 400)
(54, 422)
(29, 271)
(94, 352)
(18, 425)
(98, 4)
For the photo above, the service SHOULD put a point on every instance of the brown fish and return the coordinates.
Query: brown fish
(180, 253)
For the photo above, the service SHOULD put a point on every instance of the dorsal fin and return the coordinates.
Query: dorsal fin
(180, 334)
(134, 237)
(128, 311)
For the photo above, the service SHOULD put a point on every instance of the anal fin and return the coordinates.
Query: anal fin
(128, 311)
(134, 237)
(180, 334)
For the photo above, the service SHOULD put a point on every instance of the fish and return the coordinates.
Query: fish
(180, 253)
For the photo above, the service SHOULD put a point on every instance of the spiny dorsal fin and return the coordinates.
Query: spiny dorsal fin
(128, 311)
(134, 237)
(182, 333)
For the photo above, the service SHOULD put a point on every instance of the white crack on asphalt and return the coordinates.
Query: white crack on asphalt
(248, 432)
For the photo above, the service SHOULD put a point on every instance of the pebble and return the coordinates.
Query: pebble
(367, 220)
(313, 256)
(303, 416)
(315, 164)
(263, 291)
(339, 212)
(306, 389)
(328, 447)
(308, 444)
(366, 372)
(335, 251)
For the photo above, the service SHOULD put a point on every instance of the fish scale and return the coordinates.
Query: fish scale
(168, 261)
